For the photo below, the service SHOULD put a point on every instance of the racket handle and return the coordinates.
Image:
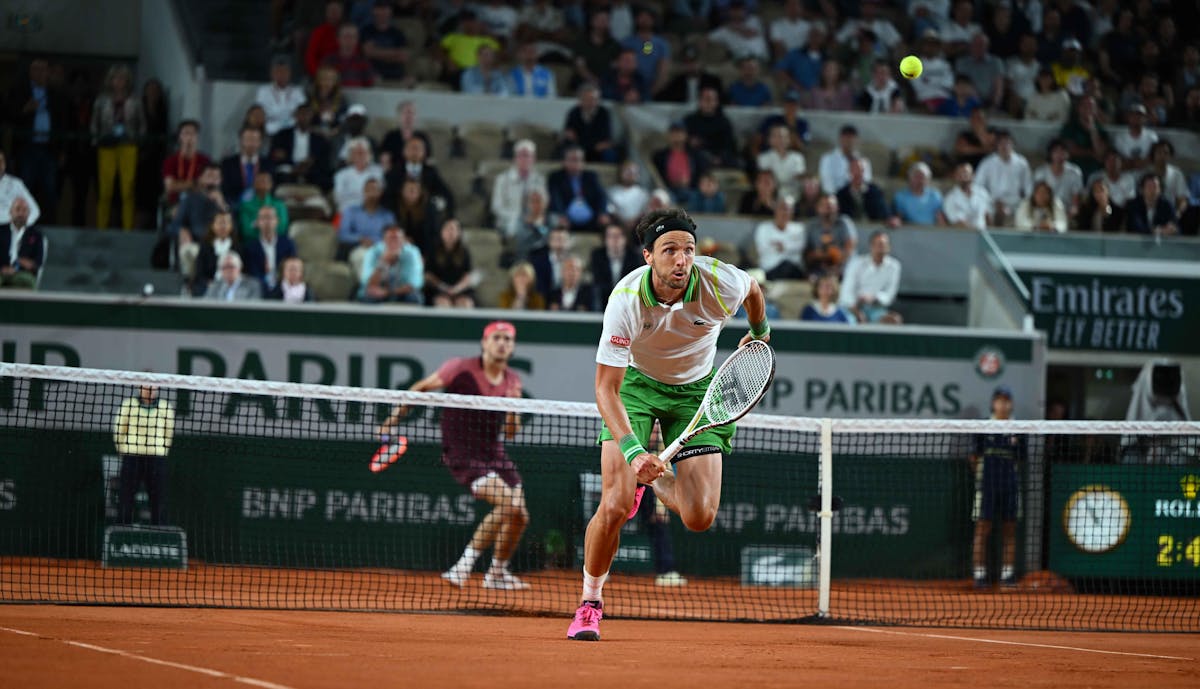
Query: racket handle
(672, 450)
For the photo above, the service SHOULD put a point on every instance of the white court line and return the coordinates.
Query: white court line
(1011, 643)
(155, 661)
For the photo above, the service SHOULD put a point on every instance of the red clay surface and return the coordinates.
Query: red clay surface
(124, 648)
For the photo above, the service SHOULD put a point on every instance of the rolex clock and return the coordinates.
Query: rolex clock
(1096, 518)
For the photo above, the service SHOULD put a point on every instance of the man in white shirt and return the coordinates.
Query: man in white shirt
(741, 34)
(628, 198)
(791, 30)
(937, 76)
(280, 98)
(348, 182)
(872, 282)
(1134, 142)
(786, 164)
(1006, 176)
(1064, 177)
(1174, 185)
(1022, 69)
(10, 189)
(966, 204)
(957, 33)
(885, 32)
(22, 246)
(510, 190)
(834, 168)
(780, 243)
(1122, 184)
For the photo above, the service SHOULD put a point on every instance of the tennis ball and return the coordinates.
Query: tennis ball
(910, 67)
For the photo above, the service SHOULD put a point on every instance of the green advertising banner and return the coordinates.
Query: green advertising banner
(1135, 522)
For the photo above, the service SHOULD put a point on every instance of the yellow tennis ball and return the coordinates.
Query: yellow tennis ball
(910, 67)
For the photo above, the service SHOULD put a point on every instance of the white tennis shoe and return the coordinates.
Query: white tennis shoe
(503, 581)
(453, 578)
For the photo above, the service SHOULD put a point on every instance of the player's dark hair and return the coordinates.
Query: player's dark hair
(667, 218)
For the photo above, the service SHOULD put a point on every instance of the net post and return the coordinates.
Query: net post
(825, 481)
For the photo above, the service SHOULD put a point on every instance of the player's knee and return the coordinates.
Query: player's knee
(613, 508)
(699, 519)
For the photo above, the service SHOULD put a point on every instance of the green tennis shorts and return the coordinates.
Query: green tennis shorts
(674, 406)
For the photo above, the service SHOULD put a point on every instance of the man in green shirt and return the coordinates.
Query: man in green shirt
(248, 209)
(1086, 140)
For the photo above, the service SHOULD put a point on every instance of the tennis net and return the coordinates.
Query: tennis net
(266, 498)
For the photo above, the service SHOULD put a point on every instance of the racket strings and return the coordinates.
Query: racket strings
(740, 382)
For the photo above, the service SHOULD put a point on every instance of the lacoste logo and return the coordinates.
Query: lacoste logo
(700, 323)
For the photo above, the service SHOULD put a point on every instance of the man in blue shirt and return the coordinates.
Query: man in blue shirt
(392, 270)
(652, 51)
(801, 67)
(996, 461)
(919, 204)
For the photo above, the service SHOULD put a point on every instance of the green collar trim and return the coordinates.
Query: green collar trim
(646, 290)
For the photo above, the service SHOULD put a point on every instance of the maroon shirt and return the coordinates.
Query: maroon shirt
(468, 432)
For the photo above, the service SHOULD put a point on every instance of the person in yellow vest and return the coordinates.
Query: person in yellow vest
(143, 432)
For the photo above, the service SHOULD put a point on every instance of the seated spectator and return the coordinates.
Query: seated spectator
(870, 20)
(418, 214)
(362, 225)
(831, 92)
(860, 199)
(871, 283)
(623, 83)
(957, 32)
(543, 21)
(790, 31)
(348, 182)
(520, 293)
(830, 239)
(659, 199)
(984, 70)
(800, 68)
(976, 141)
(261, 196)
(596, 50)
(21, 255)
(1121, 184)
(1187, 110)
(416, 166)
(1064, 177)
(1098, 213)
(229, 283)
(612, 261)
(511, 188)
(460, 49)
(1150, 212)
(810, 194)
(548, 261)
(576, 193)
(761, 200)
(1086, 140)
(353, 126)
(354, 70)
(323, 41)
(301, 155)
(1134, 142)
(238, 170)
(881, 91)
(255, 118)
(328, 102)
(11, 188)
(707, 197)
(1006, 177)
(653, 52)
(383, 44)
(194, 215)
(528, 79)
(962, 102)
(710, 132)
(392, 148)
(797, 127)
(182, 169)
(531, 230)
(217, 243)
(589, 125)
(449, 279)
(392, 270)
(741, 33)
(825, 309)
(1042, 211)
(1174, 185)
(786, 164)
(685, 87)
(628, 198)
(280, 98)
(967, 204)
(1021, 74)
(572, 294)
(1048, 102)
(919, 203)
(780, 243)
(1069, 70)
(678, 165)
(937, 76)
(749, 90)
(834, 168)
(484, 77)
(498, 17)
(291, 288)
(267, 250)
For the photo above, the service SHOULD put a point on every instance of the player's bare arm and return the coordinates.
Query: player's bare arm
(431, 382)
(646, 465)
(756, 313)
(512, 420)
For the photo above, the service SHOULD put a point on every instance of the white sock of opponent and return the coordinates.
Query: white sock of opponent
(467, 562)
(592, 586)
(499, 566)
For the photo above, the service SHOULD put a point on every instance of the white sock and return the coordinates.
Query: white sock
(981, 572)
(592, 586)
(499, 566)
(1006, 572)
(467, 562)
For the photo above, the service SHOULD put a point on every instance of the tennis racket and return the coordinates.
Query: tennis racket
(737, 386)
(390, 451)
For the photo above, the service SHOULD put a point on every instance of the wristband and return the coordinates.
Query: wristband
(760, 329)
(631, 447)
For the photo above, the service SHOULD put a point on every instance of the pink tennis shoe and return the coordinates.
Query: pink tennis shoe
(637, 502)
(586, 625)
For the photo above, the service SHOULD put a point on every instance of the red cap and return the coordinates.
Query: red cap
(500, 326)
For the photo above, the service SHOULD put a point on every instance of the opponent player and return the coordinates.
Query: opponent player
(655, 361)
(474, 453)
(996, 460)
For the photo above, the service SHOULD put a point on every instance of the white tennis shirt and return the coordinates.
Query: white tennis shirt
(677, 343)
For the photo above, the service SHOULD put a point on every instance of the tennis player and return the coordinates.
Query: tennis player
(655, 361)
(996, 461)
(474, 452)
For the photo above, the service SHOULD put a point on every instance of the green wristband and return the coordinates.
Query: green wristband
(631, 447)
(760, 329)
